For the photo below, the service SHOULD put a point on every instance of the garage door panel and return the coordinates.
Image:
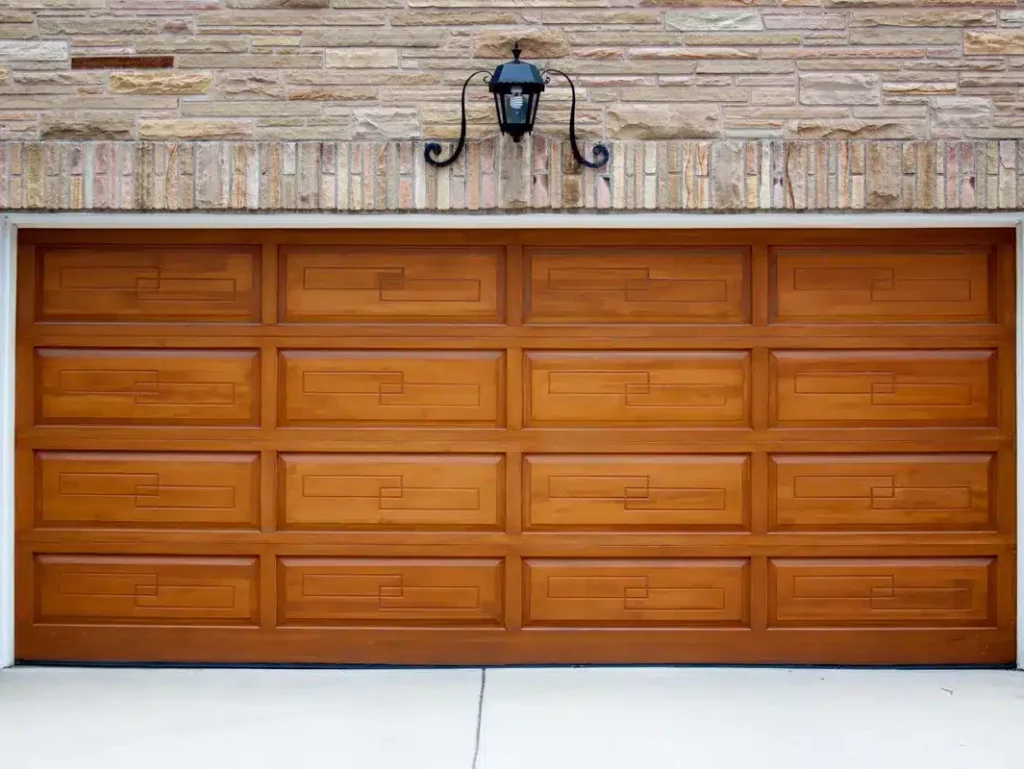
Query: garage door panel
(153, 491)
(697, 389)
(883, 592)
(596, 592)
(879, 285)
(137, 589)
(387, 492)
(927, 492)
(149, 284)
(389, 284)
(394, 387)
(147, 387)
(638, 285)
(390, 591)
(622, 493)
(914, 388)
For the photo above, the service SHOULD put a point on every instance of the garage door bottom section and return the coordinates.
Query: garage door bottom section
(504, 448)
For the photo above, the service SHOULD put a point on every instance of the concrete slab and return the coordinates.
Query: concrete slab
(657, 718)
(54, 718)
(731, 718)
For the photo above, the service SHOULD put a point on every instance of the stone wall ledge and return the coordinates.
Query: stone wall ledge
(495, 175)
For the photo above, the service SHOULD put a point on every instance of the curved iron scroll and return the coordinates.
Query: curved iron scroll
(601, 153)
(433, 149)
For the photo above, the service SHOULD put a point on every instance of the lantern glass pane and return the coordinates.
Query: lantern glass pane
(499, 106)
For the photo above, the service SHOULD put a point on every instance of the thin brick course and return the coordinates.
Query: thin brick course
(498, 175)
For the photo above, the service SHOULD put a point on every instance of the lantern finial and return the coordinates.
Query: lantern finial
(516, 50)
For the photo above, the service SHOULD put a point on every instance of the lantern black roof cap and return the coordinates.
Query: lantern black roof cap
(516, 74)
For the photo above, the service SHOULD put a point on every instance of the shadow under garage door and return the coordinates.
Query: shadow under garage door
(505, 447)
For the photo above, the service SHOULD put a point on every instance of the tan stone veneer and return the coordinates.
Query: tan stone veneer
(496, 175)
(379, 70)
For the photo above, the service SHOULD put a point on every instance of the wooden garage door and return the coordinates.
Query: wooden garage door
(510, 448)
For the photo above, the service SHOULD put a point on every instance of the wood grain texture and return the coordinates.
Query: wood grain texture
(395, 387)
(387, 591)
(706, 389)
(127, 490)
(883, 285)
(140, 387)
(487, 447)
(151, 283)
(590, 284)
(882, 592)
(380, 491)
(637, 592)
(427, 285)
(632, 492)
(146, 590)
(912, 387)
(858, 492)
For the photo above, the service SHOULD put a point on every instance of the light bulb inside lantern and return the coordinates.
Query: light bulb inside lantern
(516, 106)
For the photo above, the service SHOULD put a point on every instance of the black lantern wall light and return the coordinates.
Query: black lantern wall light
(517, 86)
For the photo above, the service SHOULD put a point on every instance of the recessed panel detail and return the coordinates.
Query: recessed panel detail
(912, 388)
(882, 592)
(326, 284)
(637, 285)
(863, 492)
(649, 389)
(619, 493)
(118, 284)
(637, 593)
(161, 491)
(386, 491)
(147, 387)
(145, 590)
(391, 388)
(389, 591)
(881, 285)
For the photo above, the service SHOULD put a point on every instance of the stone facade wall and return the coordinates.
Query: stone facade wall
(496, 175)
(368, 70)
(325, 104)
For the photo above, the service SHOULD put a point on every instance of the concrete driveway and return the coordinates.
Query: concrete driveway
(591, 718)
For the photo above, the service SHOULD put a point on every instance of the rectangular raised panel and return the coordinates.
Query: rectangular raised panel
(914, 388)
(863, 492)
(636, 492)
(589, 592)
(637, 285)
(147, 490)
(391, 388)
(881, 285)
(148, 283)
(147, 387)
(882, 592)
(146, 590)
(686, 389)
(327, 284)
(389, 591)
(385, 491)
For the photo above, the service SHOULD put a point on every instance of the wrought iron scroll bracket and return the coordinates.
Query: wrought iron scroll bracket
(601, 153)
(433, 149)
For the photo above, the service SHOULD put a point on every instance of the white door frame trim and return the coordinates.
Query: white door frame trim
(616, 220)
(10, 223)
(8, 306)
